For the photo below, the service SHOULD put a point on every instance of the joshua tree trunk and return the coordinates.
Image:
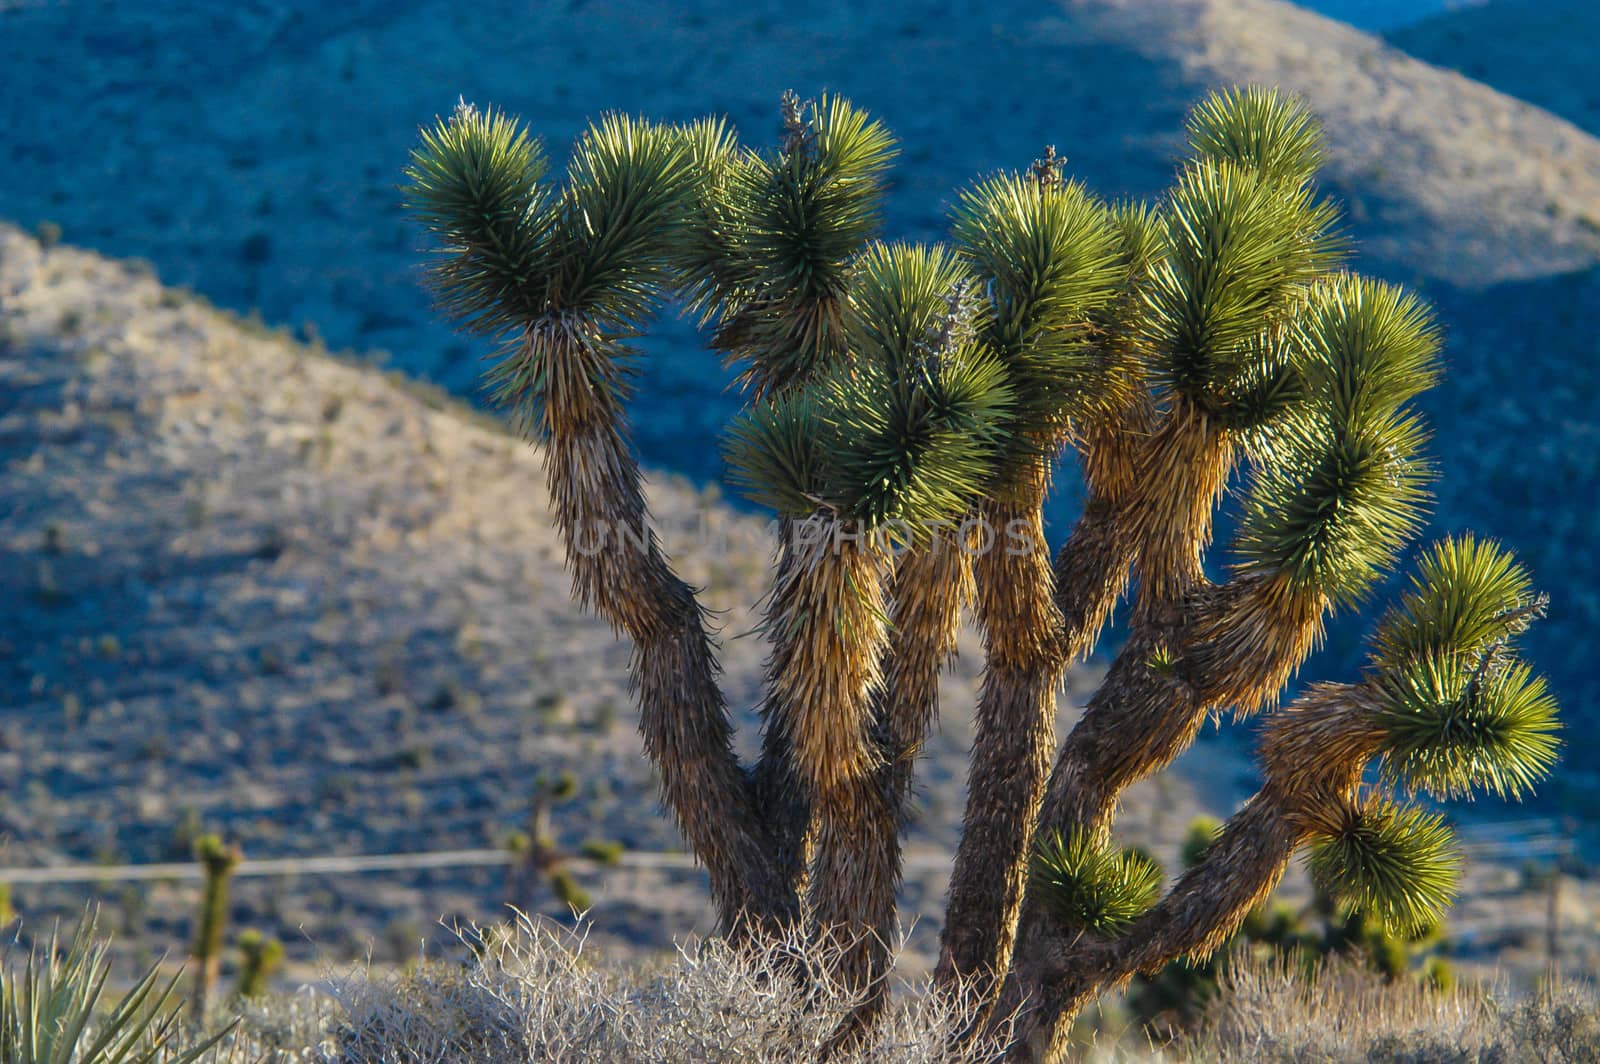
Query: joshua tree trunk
(1012, 741)
(929, 588)
(594, 482)
(827, 624)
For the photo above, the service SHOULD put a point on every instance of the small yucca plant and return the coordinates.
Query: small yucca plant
(906, 407)
(54, 1009)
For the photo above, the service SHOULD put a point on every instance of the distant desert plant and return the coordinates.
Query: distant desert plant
(217, 864)
(906, 407)
(538, 859)
(259, 959)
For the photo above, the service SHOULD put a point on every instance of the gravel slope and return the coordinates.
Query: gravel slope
(1542, 51)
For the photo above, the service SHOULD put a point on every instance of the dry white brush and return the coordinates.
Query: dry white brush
(534, 993)
(1205, 353)
(1274, 1012)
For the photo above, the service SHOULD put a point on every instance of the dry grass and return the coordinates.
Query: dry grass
(1272, 1012)
(534, 993)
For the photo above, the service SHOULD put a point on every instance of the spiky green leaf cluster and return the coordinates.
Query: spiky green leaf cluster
(1466, 594)
(1342, 485)
(1092, 886)
(1240, 252)
(907, 430)
(618, 221)
(1264, 129)
(570, 274)
(1452, 727)
(771, 260)
(474, 183)
(1459, 713)
(1399, 864)
(1051, 260)
(54, 1010)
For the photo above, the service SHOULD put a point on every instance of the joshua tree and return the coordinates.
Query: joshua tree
(259, 958)
(217, 861)
(905, 407)
(539, 858)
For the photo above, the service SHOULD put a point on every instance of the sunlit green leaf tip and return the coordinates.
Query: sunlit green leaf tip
(911, 443)
(901, 298)
(1240, 254)
(1050, 259)
(1368, 348)
(474, 185)
(794, 221)
(1332, 510)
(777, 452)
(1090, 886)
(1453, 726)
(1399, 864)
(629, 192)
(1465, 595)
(1268, 130)
(1343, 483)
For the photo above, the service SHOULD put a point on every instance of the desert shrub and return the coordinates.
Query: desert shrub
(1343, 1013)
(533, 992)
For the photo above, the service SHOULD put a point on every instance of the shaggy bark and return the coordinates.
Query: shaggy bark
(1014, 736)
(930, 587)
(618, 571)
(827, 625)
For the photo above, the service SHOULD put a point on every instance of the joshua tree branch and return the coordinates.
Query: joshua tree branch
(1313, 756)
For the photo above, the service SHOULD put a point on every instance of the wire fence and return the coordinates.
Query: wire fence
(363, 863)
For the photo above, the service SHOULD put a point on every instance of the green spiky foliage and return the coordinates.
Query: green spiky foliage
(1345, 488)
(1090, 886)
(260, 957)
(1049, 255)
(584, 262)
(1458, 712)
(217, 863)
(55, 1009)
(904, 435)
(1206, 350)
(771, 262)
(1173, 1000)
(1260, 128)
(1400, 864)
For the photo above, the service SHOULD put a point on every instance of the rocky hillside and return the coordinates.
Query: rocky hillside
(1542, 51)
